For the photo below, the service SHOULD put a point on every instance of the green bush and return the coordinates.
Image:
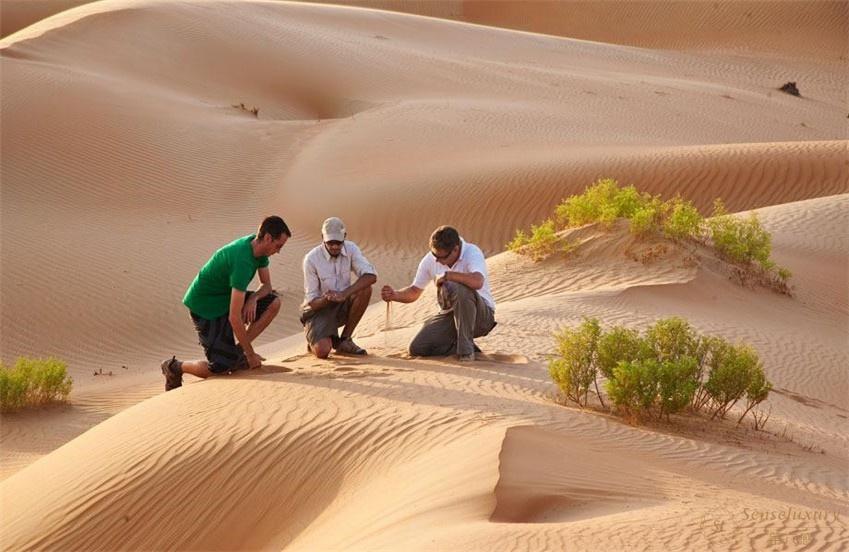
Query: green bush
(519, 241)
(668, 369)
(33, 382)
(756, 392)
(602, 202)
(683, 220)
(634, 386)
(541, 242)
(647, 218)
(575, 369)
(733, 369)
(673, 339)
(653, 388)
(620, 344)
(741, 240)
(677, 384)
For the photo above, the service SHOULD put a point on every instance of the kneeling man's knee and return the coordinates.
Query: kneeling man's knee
(322, 348)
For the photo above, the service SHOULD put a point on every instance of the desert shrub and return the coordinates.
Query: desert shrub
(673, 339)
(741, 240)
(541, 242)
(634, 386)
(664, 371)
(617, 345)
(733, 369)
(519, 241)
(683, 220)
(575, 369)
(677, 384)
(652, 388)
(756, 392)
(602, 202)
(33, 382)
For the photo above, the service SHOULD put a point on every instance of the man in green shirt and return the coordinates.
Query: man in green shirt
(224, 311)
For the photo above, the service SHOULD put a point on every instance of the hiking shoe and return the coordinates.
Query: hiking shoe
(348, 346)
(466, 358)
(173, 372)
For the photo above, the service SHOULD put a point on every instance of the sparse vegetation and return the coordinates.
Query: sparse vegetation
(666, 370)
(252, 110)
(33, 382)
(741, 241)
(541, 242)
(576, 368)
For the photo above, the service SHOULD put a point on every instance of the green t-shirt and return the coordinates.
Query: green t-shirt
(232, 266)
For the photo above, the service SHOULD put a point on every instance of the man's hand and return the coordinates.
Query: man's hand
(254, 360)
(387, 293)
(334, 296)
(249, 310)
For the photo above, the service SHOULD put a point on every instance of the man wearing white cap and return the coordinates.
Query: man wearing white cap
(330, 299)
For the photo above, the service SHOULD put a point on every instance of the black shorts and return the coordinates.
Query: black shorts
(219, 344)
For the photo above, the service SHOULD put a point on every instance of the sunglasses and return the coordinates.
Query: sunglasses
(442, 257)
(333, 243)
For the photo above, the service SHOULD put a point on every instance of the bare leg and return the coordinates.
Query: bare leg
(199, 368)
(263, 321)
(359, 303)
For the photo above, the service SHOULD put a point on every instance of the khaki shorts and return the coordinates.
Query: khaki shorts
(325, 322)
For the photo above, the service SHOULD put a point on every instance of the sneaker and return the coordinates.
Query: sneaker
(173, 373)
(348, 346)
(466, 358)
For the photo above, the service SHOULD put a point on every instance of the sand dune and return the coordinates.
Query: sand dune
(293, 474)
(128, 159)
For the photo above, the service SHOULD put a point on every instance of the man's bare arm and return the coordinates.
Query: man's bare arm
(473, 280)
(404, 295)
(237, 302)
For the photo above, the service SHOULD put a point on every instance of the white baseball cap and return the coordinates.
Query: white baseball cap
(333, 229)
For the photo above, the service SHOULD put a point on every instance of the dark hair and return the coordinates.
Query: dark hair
(274, 226)
(444, 238)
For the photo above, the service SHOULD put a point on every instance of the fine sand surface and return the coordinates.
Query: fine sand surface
(125, 165)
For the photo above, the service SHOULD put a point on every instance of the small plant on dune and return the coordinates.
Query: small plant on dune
(677, 385)
(673, 339)
(620, 344)
(519, 241)
(575, 369)
(756, 392)
(742, 241)
(252, 110)
(648, 217)
(666, 370)
(634, 387)
(33, 382)
(733, 369)
(539, 244)
(683, 220)
(602, 202)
